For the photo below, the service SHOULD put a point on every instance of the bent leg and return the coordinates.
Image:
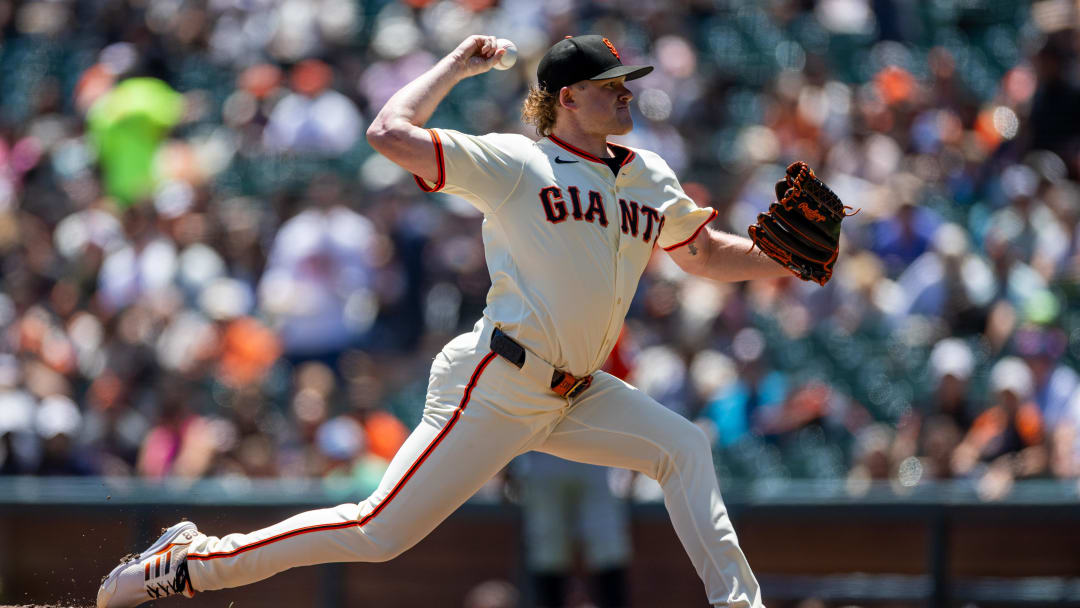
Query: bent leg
(460, 444)
(617, 425)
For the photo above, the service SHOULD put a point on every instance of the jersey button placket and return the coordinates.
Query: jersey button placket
(617, 262)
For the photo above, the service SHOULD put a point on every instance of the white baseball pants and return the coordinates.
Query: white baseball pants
(481, 412)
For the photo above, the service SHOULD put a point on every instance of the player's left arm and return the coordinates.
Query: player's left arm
(725, 257)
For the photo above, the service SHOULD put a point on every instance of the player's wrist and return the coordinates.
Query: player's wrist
(454, 68)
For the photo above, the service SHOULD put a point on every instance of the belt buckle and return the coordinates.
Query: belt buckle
(579, 387)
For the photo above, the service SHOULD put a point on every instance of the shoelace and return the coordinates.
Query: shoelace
(178, 584)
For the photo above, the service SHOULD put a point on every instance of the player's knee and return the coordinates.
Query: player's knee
(699, 441)
(695, 449)
(385, 552)
(692, 442)
(688, 447)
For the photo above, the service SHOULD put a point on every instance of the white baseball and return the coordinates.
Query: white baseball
(509, 58)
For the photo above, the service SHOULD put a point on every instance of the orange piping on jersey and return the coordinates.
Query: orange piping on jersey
(712, 216)
(629, 154)
(441, 180)
(573, 150)
(389, 497)
(579, 152)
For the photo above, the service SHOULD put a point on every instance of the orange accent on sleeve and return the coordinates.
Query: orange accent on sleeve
(441, 180)
(712, 216)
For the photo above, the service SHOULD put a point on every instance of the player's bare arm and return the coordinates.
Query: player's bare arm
(800, 234)
(725, 257)
(397, 131)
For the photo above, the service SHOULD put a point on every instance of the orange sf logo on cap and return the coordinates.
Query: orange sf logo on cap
(611, 47)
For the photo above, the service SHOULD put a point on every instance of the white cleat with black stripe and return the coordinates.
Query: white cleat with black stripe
(160, 571)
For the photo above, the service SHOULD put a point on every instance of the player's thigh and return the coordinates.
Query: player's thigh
(463, 439)
(617, 425)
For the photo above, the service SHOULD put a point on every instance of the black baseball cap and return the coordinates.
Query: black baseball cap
(577, 58)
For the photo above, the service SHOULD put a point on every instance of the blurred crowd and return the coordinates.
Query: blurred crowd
(207, 271)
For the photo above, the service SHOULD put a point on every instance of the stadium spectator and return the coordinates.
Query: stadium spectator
(316, 286)
(313, 118)
(933, 431)
(1009, 438)
(256, 232)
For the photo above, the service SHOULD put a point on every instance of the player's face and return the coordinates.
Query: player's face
(603, 106)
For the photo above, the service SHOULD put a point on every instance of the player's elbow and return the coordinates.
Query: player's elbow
(379, 135)
(392, 139)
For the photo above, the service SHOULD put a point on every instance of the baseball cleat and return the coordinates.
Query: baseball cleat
(160, 571)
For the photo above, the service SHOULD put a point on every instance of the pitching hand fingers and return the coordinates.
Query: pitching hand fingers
(481, 47)
(478, 54)
(470, 47)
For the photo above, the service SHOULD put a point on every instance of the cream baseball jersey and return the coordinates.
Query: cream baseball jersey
(566, 239)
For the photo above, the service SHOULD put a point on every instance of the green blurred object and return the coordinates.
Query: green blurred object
(1042, 307)
(128, 125)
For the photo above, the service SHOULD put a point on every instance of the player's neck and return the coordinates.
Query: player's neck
(596, 145)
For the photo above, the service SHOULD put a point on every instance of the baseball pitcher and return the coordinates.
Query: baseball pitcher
(570, 220)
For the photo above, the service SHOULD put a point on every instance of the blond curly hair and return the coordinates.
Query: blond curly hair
(539, 110)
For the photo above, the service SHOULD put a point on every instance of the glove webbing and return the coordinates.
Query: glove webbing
(805, 178)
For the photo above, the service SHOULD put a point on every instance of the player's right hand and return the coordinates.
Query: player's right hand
(477, 54)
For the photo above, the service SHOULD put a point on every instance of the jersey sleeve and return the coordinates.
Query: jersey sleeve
(681, 220)
(482, 169)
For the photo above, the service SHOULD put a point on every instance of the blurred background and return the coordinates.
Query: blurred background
(216, 299)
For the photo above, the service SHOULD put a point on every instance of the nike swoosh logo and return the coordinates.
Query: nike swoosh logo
(563, 162)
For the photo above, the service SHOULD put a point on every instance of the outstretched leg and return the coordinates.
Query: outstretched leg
(614, 424)
(463, 440)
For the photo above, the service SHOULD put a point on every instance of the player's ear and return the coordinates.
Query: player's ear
(566, 97)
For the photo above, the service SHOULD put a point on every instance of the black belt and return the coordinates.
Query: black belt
(562, 383)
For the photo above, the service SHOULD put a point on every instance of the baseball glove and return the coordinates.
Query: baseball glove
(801, 230)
